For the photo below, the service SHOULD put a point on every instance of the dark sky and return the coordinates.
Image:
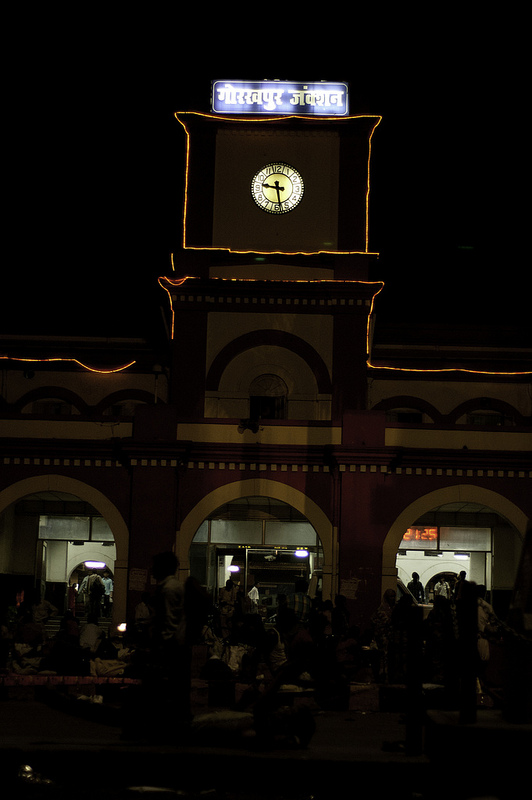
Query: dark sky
(96, 167)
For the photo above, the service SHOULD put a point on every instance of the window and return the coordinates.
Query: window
(74, 528)
(407, 415)
(123, 408)
(51, 408)
(488, 418)
(268, 398)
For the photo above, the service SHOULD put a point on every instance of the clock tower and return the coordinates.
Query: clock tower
(278, 185)
(270, 298)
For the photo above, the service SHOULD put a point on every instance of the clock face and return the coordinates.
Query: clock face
(277, 188)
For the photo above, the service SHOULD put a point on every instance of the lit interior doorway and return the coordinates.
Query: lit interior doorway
(462, 537)
(47, 538)
(257, 541)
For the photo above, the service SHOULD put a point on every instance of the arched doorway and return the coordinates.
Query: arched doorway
(257, 542)
(459, 529)
(85, 526)
(281, 500)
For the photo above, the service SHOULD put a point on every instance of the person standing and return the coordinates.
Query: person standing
(300, 601)
(171, 653)
(458, 585)
(254, 597)
(415, 587)
(381, 623)
(93, 589)
(159, 709)
(108, 596)
(442, 589)
(228, 599)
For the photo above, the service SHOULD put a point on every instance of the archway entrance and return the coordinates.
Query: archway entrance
(62, 537)
(477, 532)
(50, 526)
(257, 542)
(278, 493)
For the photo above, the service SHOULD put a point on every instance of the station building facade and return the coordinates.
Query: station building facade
(283, 430)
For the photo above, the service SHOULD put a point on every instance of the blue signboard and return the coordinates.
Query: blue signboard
(280, 97)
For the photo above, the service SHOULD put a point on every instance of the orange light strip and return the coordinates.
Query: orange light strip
(73, 360)
(180, 281)
(173, 282)
(428, 371)
(447, 369)
(247, 120)
(368, 181)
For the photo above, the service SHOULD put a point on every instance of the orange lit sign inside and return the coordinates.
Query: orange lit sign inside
(421, 535)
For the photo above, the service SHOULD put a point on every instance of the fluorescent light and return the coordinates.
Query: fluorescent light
(95, 564)
(301, 553)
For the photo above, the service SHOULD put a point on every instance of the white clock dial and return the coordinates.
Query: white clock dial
(277, 188)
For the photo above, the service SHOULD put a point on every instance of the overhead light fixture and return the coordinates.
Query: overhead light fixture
(233, 568)
(95, 564)
(301, 553)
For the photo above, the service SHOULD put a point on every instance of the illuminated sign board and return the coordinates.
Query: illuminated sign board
(421, 534)
(420, 539)
(280, 97)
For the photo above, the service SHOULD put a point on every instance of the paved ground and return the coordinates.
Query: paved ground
(350, 752)
(67, 748)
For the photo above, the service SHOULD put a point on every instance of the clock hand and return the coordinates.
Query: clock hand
(277, 188)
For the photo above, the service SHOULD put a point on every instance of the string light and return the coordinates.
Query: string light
(377, 120)
(100, 370)
(173, 282)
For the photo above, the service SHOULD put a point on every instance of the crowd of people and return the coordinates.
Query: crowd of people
(96, 592)
(305, 641)
(31, 643)
(440, 632)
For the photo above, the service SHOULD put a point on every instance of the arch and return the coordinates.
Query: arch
(262, 487)
(52, 393)
(487, 404)
(137, 395)
(101, 503)
(269, 337)
(424, 504)
(407, 401)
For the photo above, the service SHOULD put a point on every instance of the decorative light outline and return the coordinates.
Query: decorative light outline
(248, 120)
(447, 369)
(413, 369)
(180, 281)
(74, 360)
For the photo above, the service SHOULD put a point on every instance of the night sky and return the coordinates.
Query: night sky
(96, 170)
